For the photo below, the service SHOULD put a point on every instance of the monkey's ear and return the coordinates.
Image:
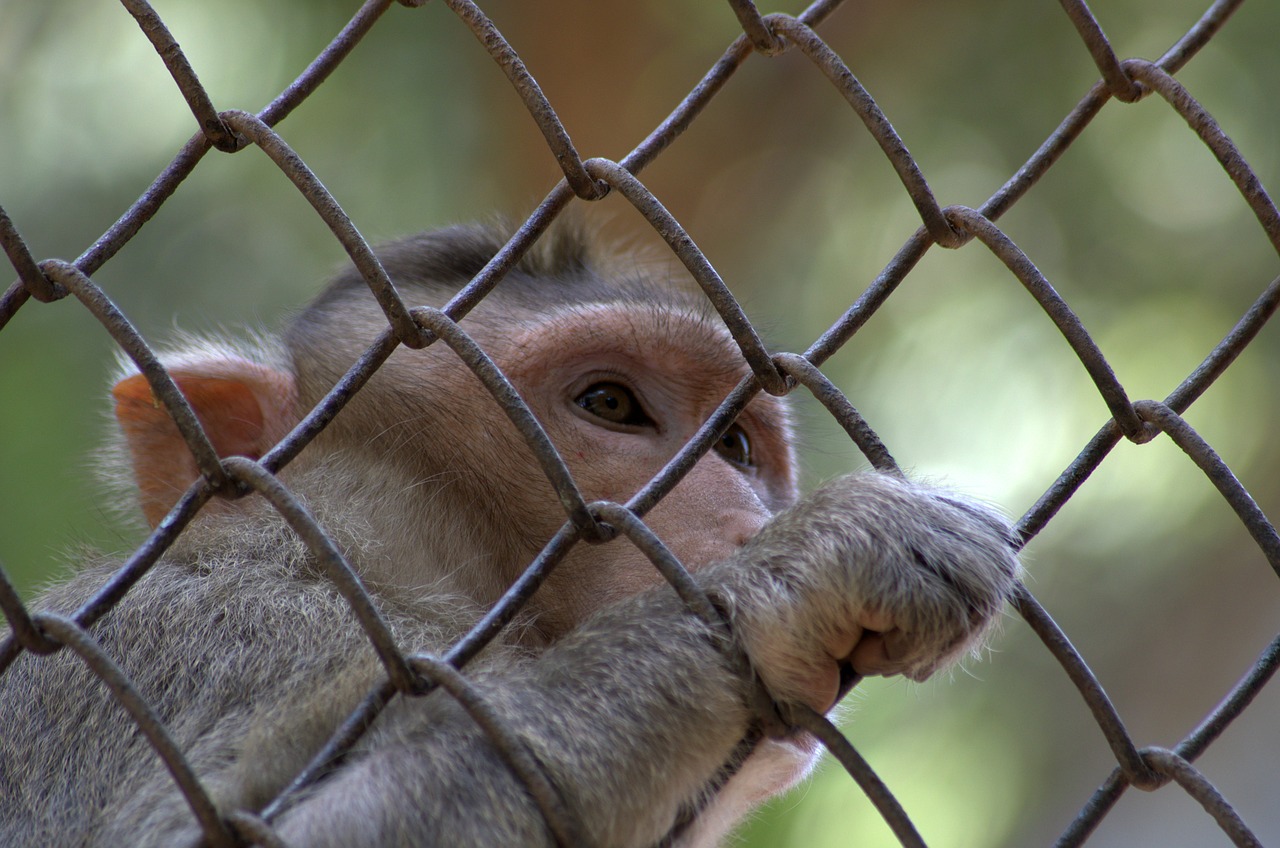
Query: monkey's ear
(244, 407)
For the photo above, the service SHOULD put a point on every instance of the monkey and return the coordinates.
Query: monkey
(640, 713)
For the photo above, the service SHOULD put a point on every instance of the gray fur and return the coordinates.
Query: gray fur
(253, 659)
(256, 660)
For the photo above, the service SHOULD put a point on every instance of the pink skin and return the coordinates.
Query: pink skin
(866, 647)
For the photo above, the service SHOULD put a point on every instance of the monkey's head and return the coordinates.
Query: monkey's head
(619, 366)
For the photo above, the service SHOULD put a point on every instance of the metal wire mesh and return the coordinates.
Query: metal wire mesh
(1138, 421)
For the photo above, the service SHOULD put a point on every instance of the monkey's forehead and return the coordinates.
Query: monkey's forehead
(640, 328)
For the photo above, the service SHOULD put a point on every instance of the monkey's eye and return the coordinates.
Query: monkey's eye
(735, 446)
(615, 403)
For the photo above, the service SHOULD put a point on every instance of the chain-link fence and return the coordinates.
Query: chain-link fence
(1168, 769)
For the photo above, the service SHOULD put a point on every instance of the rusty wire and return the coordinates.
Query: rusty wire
(233, 131)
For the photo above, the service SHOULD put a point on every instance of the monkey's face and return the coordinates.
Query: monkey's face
(619, 391)
(618, 387)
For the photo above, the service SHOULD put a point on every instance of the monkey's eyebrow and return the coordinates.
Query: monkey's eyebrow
(705, 342)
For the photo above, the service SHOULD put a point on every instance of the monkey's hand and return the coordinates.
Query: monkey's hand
(636, 713)
(869, 572)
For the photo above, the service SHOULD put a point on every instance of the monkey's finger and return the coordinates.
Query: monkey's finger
(870, 656)
(888, 653)
(841, 646)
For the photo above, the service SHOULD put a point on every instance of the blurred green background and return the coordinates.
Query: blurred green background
(965, 379)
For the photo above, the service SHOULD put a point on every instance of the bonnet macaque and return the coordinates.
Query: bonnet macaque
(633, 706)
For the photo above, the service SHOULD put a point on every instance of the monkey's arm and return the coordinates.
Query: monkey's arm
(630, 716)
(633, 715)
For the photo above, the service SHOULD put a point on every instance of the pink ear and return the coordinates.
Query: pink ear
(244, 409)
